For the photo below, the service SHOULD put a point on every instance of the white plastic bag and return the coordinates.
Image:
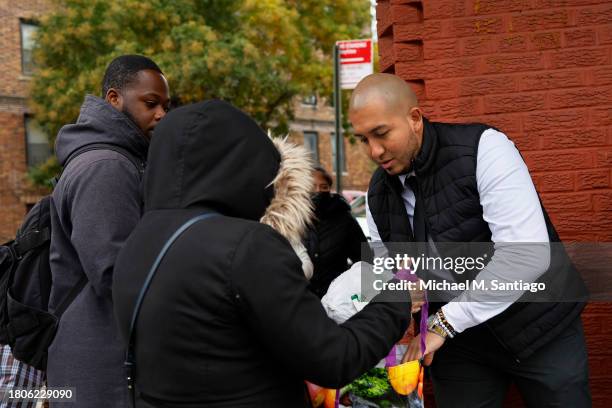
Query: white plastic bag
(342, 299)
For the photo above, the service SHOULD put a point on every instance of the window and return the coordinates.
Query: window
(310, 100)
(37, 143)
(28, 30)
(311, 142)
(333, 148)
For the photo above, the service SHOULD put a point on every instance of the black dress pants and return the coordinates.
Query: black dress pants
(473, 370)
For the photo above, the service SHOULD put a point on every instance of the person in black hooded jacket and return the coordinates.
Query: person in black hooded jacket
(228, 320)
(334, 238)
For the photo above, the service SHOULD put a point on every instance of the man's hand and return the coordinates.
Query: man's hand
(413, 352)
(432, 343)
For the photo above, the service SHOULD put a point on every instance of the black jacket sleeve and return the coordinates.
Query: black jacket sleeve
(291, 323)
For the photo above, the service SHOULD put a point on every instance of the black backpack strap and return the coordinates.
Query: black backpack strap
(76, 289)
(140, 165)
(130, 362)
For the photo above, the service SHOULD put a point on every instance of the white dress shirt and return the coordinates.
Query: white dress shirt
(512, 209)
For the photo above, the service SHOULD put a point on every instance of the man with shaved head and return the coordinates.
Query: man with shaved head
(384, 103)
(466, 183)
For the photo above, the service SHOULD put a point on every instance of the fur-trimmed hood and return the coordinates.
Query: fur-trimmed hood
(291, 209)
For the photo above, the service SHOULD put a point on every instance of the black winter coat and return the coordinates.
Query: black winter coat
(334, 238)
(228, 320)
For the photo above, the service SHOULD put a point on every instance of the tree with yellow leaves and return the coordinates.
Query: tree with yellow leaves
(256, 54)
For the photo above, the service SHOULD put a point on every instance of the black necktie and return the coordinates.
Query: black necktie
(419, 227)
(418, 218)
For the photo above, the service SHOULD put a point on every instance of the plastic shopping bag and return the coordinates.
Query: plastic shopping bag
(393, 386)
(389, 384)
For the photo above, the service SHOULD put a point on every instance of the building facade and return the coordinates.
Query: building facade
(541, 71)
(314, 127)
(22, 144)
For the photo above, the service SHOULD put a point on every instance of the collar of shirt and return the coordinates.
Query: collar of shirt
(402, 177)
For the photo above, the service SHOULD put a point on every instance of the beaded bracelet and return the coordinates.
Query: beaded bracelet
(445, 324)
(441, 324)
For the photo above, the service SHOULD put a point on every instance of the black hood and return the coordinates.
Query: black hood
(214, 156)
(99, 122)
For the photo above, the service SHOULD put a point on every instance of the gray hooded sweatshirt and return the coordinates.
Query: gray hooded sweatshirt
(95, 207)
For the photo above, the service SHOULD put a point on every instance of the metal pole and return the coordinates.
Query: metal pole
(338, 110)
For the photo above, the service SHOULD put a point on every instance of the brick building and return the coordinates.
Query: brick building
(23, 145)
(21, 142)
(314, 127)
(541, 71)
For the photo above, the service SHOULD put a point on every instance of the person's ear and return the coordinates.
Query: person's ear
(114, 97)
(416, 119)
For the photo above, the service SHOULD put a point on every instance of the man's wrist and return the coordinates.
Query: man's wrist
(438, 324)
(445, 324)
(437, 330)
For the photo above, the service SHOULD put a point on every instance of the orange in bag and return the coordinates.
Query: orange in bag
(321, 397)
(406, 377)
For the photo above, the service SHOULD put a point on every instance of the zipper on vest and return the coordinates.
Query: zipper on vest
(499, 340)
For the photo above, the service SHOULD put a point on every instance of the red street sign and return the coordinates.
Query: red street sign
(355, 51)
(355, 61)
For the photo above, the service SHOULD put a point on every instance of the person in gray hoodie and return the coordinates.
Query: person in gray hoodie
(95, 205)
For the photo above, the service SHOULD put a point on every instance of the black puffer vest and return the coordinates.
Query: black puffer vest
(446, 175)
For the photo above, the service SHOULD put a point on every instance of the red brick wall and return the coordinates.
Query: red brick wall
(12, 167)
(15, 191)
(13, 82)
(541, 71)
